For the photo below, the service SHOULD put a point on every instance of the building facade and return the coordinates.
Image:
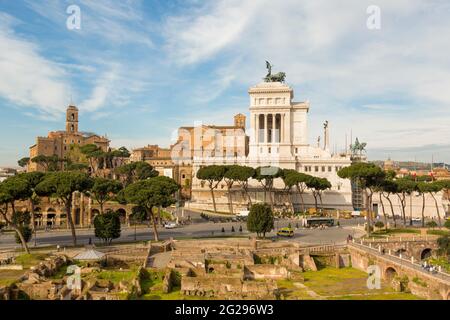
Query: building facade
(57, 143)
(278, 137)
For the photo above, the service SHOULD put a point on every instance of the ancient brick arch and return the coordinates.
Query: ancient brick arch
(426, 253)
(390, 273)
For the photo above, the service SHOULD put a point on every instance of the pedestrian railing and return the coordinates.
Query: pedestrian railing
(417, 238)
(403, 260)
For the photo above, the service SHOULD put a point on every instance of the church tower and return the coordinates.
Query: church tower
(72, 119)
(239, 121)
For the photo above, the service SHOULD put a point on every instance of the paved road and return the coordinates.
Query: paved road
(200, 228)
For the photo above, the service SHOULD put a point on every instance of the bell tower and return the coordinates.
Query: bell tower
(72, 119)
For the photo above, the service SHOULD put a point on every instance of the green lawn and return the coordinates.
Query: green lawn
(115, 276)
(382, 233)
(29, 260)
(345, 282)
(439, 232)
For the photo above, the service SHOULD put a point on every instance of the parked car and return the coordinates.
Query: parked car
(170, 225)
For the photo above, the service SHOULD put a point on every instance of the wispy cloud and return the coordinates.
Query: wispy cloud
(28, 78)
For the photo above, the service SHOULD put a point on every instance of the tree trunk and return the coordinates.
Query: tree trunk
(392, 210)
(213, 199)
(301, 198)
(15, 228)
(437, 209)
(410, 209)
(291, 201)
(384, 213)
(423, 210)
(33, 220)
(155, 229)
(315, 201)
(403, 205)
(271, 198)
(321, 204)
(230, 200)
(369, 212)
(68, 206)
(248, 195)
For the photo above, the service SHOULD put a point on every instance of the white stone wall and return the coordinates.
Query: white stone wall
(414, 205)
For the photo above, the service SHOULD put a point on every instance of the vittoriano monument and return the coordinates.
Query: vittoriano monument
(278, 77)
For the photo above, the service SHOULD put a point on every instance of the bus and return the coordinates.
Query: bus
(318, 221)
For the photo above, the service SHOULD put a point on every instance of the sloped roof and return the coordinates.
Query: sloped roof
(89, 254)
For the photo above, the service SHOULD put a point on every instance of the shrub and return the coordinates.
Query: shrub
(431, 224)
(107, 226)
(379, 224)
(260, 219)
(447, 224)
(444, 245)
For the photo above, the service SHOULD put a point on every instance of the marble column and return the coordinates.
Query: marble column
(256, 128)
(266, 131)
(274, 127)
(282, 137)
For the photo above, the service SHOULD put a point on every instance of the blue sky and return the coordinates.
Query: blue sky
(140, 69)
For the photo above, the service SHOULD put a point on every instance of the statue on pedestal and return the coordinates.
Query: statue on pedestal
(278, 77)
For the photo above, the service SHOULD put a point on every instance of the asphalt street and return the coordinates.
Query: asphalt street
(198, 229)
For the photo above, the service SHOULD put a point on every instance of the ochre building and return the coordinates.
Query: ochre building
(57, 143)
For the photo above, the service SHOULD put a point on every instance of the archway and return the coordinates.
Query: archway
(122, 215)
(426, 253)
(77, 216)
(37, 217)
(50, 217)
(390, 274)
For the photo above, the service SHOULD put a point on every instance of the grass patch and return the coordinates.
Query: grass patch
(8, 277)
(331, 281)
(419, 282)
(383, 232)
(29, 260)
(439, 232)
(116, 276)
